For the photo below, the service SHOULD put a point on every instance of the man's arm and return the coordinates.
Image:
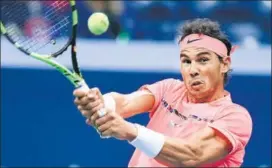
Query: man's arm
(204, 147)
(231, 131)
(126, 105)
(137, 102)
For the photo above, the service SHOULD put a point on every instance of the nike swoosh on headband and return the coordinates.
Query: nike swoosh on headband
(190, 41)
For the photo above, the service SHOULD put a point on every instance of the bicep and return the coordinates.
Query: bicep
(134, 103)
(210, 146)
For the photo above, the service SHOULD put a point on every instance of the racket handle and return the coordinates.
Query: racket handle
(83, 86)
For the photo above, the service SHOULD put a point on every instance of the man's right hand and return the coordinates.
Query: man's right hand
(88, 102)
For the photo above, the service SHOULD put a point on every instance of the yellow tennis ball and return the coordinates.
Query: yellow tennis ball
(98, 23)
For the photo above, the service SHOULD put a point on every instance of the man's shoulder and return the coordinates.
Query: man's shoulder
(168, 85)
(236, 109)
(173, 82)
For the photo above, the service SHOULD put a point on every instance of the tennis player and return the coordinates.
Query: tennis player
(193, 122)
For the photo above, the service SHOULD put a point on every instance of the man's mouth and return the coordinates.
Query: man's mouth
(196, 83)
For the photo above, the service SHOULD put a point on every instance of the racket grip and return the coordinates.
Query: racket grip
(83, 86)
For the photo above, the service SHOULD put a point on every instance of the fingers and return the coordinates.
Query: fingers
(104, 127)
(90, 112)
(91, 93)
(100, 121)
(79, 92)
(81, 101)
(97, 92)
(86, 113)
(101, 128)
(97, 121)
(90, 102)
(93, 118)
(87, 104)
(90, 97)
(107, 125)
(88, 122)
(93, 106)
(107, 133)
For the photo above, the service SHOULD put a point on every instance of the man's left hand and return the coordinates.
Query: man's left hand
(113, 125)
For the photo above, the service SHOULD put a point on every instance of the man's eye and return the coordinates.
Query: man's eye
(202, 60)
(186, 61)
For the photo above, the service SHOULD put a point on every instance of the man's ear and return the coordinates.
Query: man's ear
(225, 66)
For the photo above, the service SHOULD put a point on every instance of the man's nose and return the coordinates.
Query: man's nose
(194, 70)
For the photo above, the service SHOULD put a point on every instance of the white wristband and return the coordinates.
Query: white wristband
(109, 102)
(148, 141)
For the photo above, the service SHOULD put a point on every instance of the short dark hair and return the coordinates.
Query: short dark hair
(210, 28)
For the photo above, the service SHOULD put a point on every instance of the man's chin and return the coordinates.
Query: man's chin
(197, 88)
(197, 92)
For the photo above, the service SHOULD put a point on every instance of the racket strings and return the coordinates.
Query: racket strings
(59, 6)
(9, 12)
(32, 42)
(17, 5)
(57, 25)
(14, 17)
(44, 35)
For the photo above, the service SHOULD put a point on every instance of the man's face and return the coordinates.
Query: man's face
(202, 71)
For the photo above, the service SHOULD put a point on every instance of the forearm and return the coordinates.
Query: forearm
(128, 105)
(202, 147)
(178, 152)
(169, 151)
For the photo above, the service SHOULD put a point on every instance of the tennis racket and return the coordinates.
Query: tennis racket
(44, 30)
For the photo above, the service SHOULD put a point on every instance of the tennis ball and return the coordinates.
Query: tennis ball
(98, 23)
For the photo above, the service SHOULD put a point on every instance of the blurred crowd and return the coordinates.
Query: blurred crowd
(243, 21)
(246, 22)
